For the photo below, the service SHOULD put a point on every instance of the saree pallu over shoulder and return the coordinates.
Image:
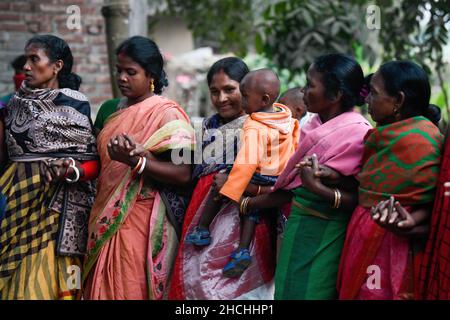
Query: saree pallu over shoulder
(401, 159)
(45, 121)
(43, 222)
(221, 143)
(338, 144)
(160, 125)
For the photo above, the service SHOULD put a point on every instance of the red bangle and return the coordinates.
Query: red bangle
(90, 170)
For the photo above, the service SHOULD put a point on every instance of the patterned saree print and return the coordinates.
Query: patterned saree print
(401, 159)
(40, 124)
(218, 136)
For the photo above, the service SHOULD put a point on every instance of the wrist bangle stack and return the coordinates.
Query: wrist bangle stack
(337, 199)
(75, 169)
(140, 166)
(244, 205)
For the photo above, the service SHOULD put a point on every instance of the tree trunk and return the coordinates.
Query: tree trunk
(116, 14)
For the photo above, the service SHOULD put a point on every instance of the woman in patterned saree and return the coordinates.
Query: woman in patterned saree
(198, 273)
(50, 140)
(137, 214)
(385, 237)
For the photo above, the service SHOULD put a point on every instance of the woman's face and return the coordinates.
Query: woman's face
(381, 104)
(132, 80)
(314, 92)
(40, 72)
(225, 96)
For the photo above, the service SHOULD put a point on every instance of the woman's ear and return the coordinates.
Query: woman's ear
(337, 97)
(57, 66)
(400, 99)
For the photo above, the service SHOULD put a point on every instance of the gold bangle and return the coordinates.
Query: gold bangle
(136, 167)
(339, 199)
(259, 190)
(246, 205)
(335, 198)
(243, 207)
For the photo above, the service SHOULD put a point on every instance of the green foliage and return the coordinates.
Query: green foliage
(291, 33)
(227, 25)
(288, 79)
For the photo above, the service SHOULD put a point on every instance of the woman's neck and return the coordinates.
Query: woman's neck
(234, 118)
(52, 84)
(133, 101)
(330, 113)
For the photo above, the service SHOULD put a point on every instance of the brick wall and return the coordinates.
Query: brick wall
(20, 20)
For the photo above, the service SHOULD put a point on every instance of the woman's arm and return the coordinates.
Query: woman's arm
(123, 149)
(270, 200)
(312, 180)
(165, 171)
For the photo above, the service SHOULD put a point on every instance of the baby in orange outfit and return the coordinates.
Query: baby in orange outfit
(270, 137)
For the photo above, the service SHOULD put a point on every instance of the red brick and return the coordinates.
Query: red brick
(14, 27)
(10, 16)
(21, 6)
(4, 6)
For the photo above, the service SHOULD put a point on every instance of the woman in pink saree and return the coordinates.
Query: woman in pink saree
(137, 214)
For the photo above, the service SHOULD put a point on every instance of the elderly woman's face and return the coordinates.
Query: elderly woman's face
(225, 96)
(381, 104)
(40, 72)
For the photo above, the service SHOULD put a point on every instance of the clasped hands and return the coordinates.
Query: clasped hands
(123, 148)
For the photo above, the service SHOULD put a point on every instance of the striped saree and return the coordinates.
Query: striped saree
(43, 124)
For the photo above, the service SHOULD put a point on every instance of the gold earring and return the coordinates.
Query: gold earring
(152, 86)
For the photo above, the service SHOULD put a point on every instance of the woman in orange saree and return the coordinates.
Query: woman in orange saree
(137, 213)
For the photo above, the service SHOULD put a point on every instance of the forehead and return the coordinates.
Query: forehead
(313, 74)
(126, 61)
(220, 79)
(377, 81)
(34, 50)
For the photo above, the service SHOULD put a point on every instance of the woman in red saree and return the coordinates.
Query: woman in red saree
(435, 268)
(397, 185)
(134, 220)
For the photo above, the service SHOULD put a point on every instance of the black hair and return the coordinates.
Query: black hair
(233, 67)
(19, 62)
(412, 80)
(57, 49)
(341, 73)
(146, 53)
(433, 113)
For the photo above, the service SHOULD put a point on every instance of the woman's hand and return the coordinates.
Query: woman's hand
(309, 168)
(55, 170)
(328, 176)
(219, 180)
(391, 215)
(123, 149)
